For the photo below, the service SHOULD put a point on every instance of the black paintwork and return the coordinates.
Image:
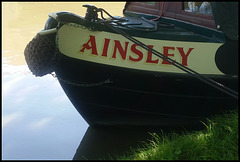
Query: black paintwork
(137, 97)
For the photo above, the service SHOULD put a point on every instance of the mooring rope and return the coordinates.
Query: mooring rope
(115, 21)
(204, 79)
(178, 65)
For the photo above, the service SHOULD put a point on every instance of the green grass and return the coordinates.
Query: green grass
(219, 141)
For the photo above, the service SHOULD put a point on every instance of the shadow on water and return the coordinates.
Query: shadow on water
(105, 142)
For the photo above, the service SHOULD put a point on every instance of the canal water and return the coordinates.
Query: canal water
(38, 120)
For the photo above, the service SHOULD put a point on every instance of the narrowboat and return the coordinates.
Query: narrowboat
(160, 64)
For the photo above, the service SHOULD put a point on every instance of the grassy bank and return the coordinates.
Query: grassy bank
(219, 141)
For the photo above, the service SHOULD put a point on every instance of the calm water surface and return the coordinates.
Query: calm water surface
(38, 120)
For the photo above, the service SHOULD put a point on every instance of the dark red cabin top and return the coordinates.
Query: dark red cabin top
(176, 10)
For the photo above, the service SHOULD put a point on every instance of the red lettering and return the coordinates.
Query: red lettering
(105, 47)
(184, 56)
(166, 53)
(137, 52)
(149, 57)
(92, 41)
(122, 52)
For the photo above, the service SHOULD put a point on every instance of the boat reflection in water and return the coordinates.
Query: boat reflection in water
(111, 142)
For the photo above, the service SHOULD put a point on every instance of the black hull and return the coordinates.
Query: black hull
(111, 82)
(140, 98)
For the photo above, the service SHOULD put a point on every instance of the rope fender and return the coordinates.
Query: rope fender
(39, 55)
